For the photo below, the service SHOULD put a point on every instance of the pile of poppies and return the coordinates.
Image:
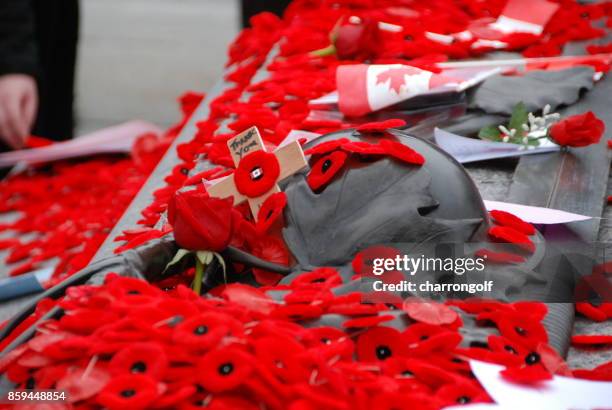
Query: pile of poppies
(128, 344)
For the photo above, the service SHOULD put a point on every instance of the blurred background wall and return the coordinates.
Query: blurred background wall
(137, 56)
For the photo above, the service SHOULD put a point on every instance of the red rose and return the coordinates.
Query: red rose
(357, 41)
(201, 222)
(578, 130)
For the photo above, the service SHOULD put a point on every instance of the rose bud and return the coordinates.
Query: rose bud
(578, 130)
(201, 222)
(355, 39)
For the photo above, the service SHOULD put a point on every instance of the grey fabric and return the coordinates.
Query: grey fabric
(499, 94)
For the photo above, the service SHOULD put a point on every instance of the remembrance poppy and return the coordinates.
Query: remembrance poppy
(509, 235)
(205, 330)
(430, 312)
(327, 147)
(381, 126)
(400, 151)
(256, 173)
(380, 343)
(282, 356)
(129, 391)
(146, 358)
(224, 369)
(270, 211)
(325, 168)
(526, 374)
(512, 221)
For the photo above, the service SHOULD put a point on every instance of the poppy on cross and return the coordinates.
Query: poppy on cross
(257, 170)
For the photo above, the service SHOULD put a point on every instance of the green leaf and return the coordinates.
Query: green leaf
(518, 118)
(490, 132)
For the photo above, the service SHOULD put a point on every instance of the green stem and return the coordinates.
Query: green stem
(323, 52)
(197, 280)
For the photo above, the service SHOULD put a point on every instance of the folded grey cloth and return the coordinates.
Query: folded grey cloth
(499, 94)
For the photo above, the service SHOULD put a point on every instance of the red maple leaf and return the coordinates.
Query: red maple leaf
(397, 77)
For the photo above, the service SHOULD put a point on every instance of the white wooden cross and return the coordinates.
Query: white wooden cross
(290, 159)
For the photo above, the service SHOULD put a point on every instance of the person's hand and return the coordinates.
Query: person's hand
(18, 104)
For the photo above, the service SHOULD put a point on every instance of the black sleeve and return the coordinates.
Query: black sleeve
(18, 52)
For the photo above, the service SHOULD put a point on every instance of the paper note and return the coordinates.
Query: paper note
(558, 393)
(114, 139)
(536, 214)
(467, 150)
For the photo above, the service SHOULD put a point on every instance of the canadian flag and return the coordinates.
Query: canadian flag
(365, 88)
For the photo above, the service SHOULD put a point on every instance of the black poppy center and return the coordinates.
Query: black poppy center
(184, 171)
(325, 341)
(463, 399)
(270, 213)
(256, 173)
(133, 292)
(383, 352)
(532, 358)
(128, 393)
(226, 368)
(407, 373)
(200, 330)
(138, 367)
(326, 165)
(520, 330)
(510, 349)
(424, 337)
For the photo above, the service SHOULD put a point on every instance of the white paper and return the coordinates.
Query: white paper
(295, 135)
(467, 150)
(536, 214)
(114, 139)
(557, 394)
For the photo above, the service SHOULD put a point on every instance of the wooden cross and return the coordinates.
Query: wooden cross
(290, 159)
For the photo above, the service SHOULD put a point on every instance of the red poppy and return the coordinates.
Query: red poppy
(512, 221)
(429, 312)
(367, 321)
(509, 235)
(380, 343)
(146, 358)
(129, 391)
(321, 278)
(329, 342)
(282, 356)
(205, 330)
(402, 152)
(251, 298)
(423, 339)
(526, 374)
(270, 211)
(224, 369)
(381, 126)
(257, 173)
(199, 221)
(461, 393)
(271, 249)
(499, 257)
(363, 148)
(296, 312)
(82, 384)
(518, 327)
(326, 147)
(325, 169)
(591, 311)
